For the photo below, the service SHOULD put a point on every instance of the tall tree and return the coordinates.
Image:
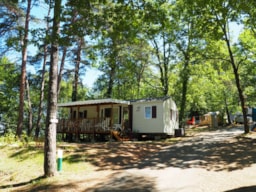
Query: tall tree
(24, 45)
(247, 49)
(112, 40)
(215, 17)
(159, 31)
(247, 10)
(119, 42)
(9, 86)
(131, 76)
(45, 56)
(30, 111)
(80, 44)
(10, 14)
(62, 64)
(51, 121)
(187, 44)
(79, 25)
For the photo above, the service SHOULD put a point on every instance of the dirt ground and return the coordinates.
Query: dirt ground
(215, 161)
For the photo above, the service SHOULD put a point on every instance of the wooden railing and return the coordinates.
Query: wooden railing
(83, 126)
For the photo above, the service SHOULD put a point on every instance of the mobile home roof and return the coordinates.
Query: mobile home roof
(93, 102)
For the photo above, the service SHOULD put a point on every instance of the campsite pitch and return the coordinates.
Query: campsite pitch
(212, 161)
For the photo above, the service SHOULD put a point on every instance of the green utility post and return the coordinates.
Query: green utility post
(59, 162)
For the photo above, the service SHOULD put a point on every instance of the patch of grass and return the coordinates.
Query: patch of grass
(20, 164)
(23, 165)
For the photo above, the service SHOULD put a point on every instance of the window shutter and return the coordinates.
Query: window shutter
(153, 111)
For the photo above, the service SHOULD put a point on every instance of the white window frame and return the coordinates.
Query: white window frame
(148, 114)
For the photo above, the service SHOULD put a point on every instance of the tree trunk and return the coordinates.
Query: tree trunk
(226, 108)
(185, 74)
(37, 132)
(30, 112)
(111, 82)
(185, 77)
(139, 78)
(77, 67)
(237, 79)
(61, 67)
(112, 72)
(163, 65)
(51, 120)
(24, 43)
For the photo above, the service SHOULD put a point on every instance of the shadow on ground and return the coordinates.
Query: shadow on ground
(25, 153)
(223, 155)
(243, 189)
(120, 182)
(116, 182)
(229, 155)
(226, 155)
(21, 183)
(53, 187)
(113, 155)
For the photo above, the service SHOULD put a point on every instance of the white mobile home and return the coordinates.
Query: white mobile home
(155, 116)
(158, 116)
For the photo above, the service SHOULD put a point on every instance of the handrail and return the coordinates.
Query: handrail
(88, 125)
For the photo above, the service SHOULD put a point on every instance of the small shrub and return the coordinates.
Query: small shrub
(9, 137)
(25, 139)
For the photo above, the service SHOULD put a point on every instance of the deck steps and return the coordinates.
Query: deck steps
(118, 137)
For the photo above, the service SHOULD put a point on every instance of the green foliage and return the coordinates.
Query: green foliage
(9, 85)
(9, 137)
(142, 48)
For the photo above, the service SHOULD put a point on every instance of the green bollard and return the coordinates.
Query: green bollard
(59, 162)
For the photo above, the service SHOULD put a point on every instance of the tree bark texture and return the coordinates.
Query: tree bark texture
(24, 43)
(40, 108)
(51, 121)
(77, 67)
(30, 111)
(237, 79)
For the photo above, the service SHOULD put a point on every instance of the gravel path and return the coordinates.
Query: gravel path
(209, 162)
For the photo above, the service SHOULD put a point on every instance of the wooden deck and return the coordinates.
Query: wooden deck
(79, 129)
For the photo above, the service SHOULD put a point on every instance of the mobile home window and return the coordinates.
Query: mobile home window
(85, 113)
(80, 115)
(107, 112)
(150, 112)
(74, 114)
